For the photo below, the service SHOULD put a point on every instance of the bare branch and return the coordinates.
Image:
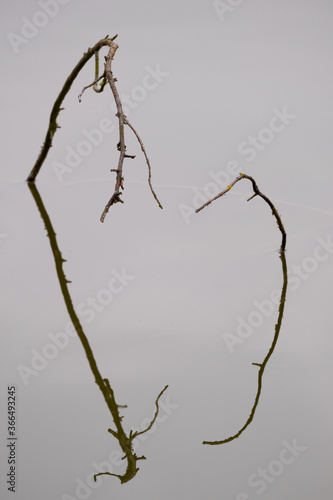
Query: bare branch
(107, 76)
(256, 193)
(121, 144)
(147, 160)
(57, 105)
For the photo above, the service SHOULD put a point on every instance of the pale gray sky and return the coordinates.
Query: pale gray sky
(211, 95)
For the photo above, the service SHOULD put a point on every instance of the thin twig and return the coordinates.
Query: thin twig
(97, 89)
(126, 442)
(147, 160)
(107, 76)
(91, 85)
(135, 434)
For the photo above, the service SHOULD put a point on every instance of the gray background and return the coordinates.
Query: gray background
(191, 280)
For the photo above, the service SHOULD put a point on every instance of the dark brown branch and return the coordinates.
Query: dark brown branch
(57, 105)
(256, 193)
(262, 365)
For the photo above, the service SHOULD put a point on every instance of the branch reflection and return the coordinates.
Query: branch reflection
(125, 441)
(262, 365)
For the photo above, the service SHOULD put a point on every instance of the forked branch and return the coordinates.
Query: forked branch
(126, 442)
(106, 77)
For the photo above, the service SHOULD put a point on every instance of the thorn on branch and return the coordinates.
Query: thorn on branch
(114, 433)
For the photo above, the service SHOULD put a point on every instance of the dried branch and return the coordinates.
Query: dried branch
(53, 126)
(147, 160)
(91, 85)
(256, 193)
(115, 198)
(106, 76)
(122, 120)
